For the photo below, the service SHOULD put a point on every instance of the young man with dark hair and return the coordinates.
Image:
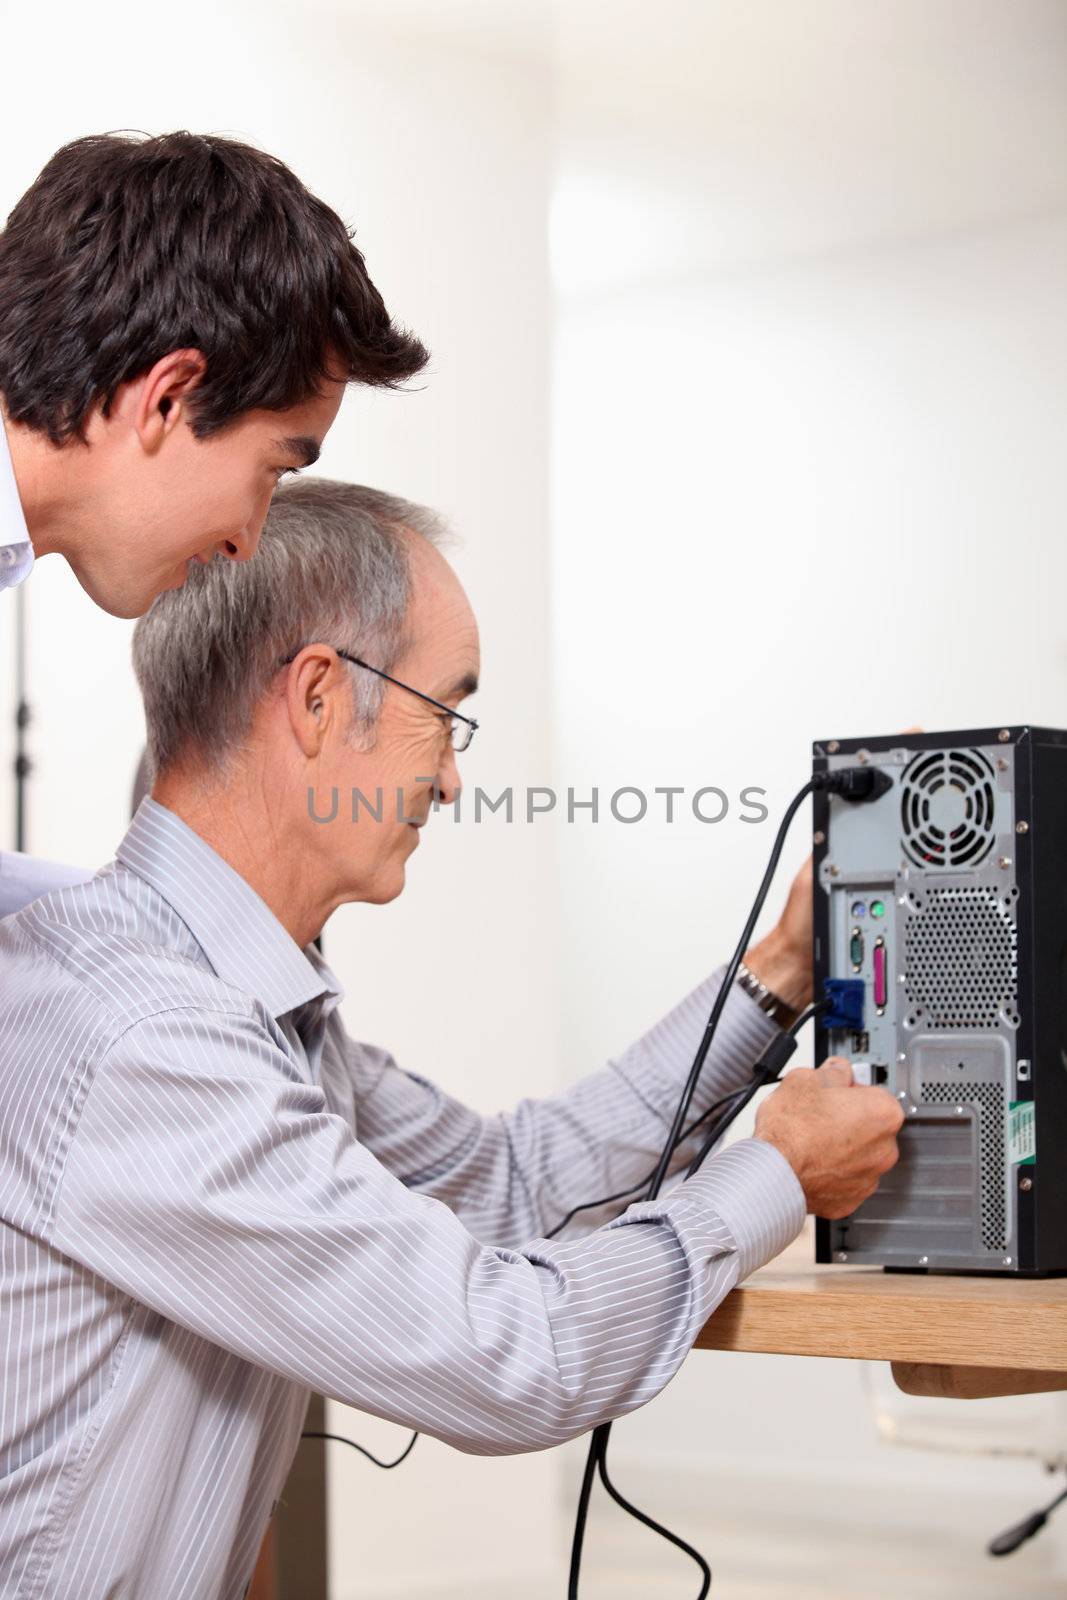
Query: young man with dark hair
(179, 317)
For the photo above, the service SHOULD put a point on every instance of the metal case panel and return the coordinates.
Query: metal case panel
(946, 858)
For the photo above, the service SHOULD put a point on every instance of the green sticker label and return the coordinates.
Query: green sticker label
(1021, 1143)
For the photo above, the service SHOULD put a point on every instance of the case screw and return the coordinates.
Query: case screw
(833, 871)
(1005, 861)
(1002, 765)
(924, 1261)
(1007, 1261)
(842, 1255)
(1026, 1184)
(1004, 735)
(863, 756)
(834, 746)
(1022, 827)
(818, 837)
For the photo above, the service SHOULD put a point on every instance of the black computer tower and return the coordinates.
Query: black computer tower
(943, 906)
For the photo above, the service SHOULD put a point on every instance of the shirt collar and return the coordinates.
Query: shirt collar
(240, 936)
(16, 551)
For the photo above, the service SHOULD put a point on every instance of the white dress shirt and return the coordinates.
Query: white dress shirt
(16, 551)
(22, 878)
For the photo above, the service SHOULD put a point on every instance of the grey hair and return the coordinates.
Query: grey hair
(331, 568)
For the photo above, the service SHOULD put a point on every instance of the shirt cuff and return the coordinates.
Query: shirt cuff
(754, 1192)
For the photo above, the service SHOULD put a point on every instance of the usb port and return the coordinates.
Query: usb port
(881, 975)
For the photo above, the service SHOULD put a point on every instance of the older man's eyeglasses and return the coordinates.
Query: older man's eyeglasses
(461, 729)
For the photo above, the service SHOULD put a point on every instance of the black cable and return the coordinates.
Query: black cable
(766, 1071)
(642, 1183)
(592, 1458)
(725, 988)
(852, 783)
(386, 1466)
(650, 1522)
(808, 1014)
(687, 1133)
(1005, 1544)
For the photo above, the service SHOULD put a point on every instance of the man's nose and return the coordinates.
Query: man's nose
(239, 548)
(243, 546)
(449, 782)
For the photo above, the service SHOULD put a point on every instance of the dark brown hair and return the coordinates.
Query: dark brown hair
(127, 247)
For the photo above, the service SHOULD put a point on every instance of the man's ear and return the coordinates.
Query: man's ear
(161, 397)
(308, 702)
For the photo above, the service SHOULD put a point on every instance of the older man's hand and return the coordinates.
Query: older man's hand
(839, 1137)
(783, 959)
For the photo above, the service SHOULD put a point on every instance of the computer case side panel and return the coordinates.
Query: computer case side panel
(820, 953)
(1043, 845)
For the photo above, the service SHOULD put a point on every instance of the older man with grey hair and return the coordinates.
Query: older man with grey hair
(216, 1201)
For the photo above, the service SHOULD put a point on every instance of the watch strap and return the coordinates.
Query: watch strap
(769, 1002)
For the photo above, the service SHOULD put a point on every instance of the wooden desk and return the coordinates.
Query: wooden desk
(966, 1338)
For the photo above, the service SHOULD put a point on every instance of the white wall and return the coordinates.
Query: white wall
(436, 145)
(808, 419)
(817, 498)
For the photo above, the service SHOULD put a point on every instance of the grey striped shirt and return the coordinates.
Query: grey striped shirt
(214, 1201)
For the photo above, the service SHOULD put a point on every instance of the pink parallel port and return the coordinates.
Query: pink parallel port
(881, 975)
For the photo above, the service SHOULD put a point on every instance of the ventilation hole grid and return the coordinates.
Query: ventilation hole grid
(960, 959)
(947, 807)
(987, 1100)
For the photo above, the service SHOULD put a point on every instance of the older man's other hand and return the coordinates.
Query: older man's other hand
(838, 1136)
(783, 959)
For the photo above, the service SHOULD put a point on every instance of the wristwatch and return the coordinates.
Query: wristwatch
(773, 1004)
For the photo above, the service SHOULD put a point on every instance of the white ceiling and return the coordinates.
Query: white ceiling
(726, 133)
(730, 133)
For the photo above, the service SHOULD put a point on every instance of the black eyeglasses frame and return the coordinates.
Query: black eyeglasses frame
(469, 723)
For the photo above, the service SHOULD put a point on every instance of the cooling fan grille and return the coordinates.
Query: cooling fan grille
(947, 808)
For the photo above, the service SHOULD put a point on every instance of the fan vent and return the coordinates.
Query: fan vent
(947, 807)
(988, 1102)
(961, 959)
